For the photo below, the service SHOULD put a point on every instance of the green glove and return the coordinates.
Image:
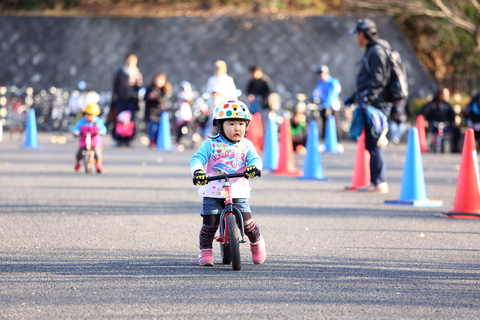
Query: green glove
(252, 172)
(200, 177)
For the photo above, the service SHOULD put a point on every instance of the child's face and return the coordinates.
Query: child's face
(90, 117)
(234, 129)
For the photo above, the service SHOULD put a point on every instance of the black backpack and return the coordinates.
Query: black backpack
(397, 86)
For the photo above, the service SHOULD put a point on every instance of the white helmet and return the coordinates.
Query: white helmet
(232, 109)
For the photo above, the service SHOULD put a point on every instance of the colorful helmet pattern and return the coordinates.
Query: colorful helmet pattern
(232, 109)
(92, 108)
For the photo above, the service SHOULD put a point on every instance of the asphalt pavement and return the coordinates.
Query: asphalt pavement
(123, 245)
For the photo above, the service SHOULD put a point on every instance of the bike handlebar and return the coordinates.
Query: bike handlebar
(231, 175)
(223, 176)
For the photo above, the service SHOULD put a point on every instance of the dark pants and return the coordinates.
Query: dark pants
(378, 168)
(97, 153)
(130, 105)
(456, 136)
(152, 131)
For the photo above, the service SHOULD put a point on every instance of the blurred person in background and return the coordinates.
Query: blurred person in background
(124, 130)
(222, 82)
(156, 98)
(298, 127)
(220, 87)
(397, 121)
(326, 94)
(183, 114)
(439, 114)
(258, 89)
(127, 81)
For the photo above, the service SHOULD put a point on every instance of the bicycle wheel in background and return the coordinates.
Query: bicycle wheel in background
(234, 235)
(88, 163)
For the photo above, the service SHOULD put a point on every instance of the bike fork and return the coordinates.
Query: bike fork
(224, 232)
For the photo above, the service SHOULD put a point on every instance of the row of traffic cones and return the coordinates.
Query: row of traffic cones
(281, 159)
(278, 154)
(413, 191)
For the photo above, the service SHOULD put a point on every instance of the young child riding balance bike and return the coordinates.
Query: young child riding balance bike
(90, 124)
(225, 153)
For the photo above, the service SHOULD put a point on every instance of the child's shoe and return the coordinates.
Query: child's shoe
(205, 257)
(100, 170)
(258, 251)
(77, 166)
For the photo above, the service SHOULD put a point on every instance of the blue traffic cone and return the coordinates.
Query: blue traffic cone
(31, 141)
(413, 190)
(270, 146)
(331, 141)
(312, 168)
(164, 138)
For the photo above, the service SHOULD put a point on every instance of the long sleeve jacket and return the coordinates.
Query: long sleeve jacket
(219, 156)
(373, 76)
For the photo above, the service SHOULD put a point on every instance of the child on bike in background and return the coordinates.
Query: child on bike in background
(90, 123)
(225, 153)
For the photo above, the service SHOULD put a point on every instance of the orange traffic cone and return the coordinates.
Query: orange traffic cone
(420, 124)
(286, 160)
(361, 167)
(255, 132)
(467, 198)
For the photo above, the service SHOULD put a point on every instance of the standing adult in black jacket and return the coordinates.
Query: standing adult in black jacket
(372, 79)
(156, 98)
(126, 83)
(259, 88)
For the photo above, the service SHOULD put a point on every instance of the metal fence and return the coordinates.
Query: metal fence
(464, 84)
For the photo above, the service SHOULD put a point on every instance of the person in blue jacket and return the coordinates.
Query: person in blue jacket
(326, 94)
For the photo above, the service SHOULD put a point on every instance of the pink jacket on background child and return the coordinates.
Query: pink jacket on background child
(96, 129)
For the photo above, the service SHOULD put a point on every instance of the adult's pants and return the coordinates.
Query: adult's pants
(378, 168)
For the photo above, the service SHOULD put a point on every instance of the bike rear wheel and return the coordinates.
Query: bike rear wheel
(234, 235)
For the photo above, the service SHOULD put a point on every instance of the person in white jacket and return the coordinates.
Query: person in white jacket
(221, 84)
(220, 87)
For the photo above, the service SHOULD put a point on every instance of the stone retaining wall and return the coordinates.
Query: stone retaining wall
(50, 51)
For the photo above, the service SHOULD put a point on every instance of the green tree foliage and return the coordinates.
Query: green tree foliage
(445, 33)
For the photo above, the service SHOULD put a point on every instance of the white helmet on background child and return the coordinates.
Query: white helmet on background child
(185, 85)
(232, 109)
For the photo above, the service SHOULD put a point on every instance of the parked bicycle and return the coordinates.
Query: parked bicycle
(14, 108)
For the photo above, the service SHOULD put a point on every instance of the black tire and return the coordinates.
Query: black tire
(234, 234)
(87, 163)
(226, 254)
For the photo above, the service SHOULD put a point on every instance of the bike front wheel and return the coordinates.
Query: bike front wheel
(88, 161)
(234, 235)
(226, 254)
